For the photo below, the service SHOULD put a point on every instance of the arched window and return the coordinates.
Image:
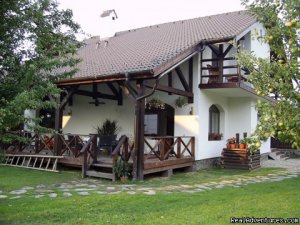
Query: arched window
(214, 123)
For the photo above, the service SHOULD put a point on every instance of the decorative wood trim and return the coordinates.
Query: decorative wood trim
(182, 78)
(167, 89)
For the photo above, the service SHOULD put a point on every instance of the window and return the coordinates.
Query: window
(151, 124)
(214, 123)
(48, 118)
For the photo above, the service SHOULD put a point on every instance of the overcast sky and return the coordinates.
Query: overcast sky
(140, 13)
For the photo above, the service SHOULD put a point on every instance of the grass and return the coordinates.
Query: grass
(13, 177)
(271, 199)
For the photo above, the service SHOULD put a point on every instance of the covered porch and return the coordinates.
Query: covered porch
(84, 104)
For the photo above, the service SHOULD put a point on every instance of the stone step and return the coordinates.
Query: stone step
(275, 156)
(93, 173)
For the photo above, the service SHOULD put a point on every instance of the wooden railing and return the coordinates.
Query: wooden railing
(89, 152)
(230, 73)
(123, 150)
(34, 143)
(164, 147)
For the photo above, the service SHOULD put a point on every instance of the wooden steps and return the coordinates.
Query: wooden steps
(37, 162)
(101, 170)
(94, 173)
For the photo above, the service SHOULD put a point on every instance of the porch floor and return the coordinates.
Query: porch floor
(151, 165)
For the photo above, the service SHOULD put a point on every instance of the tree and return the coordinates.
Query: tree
(36, 40)
(280, 76)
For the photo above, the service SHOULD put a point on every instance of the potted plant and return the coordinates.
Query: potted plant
(242, 144)
(108, 132)
(155, 103)
(121, 170)
(180, 102)
(231, 142)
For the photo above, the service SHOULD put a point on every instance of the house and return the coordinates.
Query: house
(190, 67)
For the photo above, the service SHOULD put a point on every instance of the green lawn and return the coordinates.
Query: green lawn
(271, 199)
(14, 177)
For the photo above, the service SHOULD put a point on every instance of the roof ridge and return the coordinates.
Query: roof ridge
(176, 21)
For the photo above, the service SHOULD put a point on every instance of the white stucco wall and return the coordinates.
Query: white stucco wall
(86, 117)
(258, 46)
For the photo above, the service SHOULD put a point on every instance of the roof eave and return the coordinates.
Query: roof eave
(105, 78)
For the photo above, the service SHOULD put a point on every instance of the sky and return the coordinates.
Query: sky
(140, 13)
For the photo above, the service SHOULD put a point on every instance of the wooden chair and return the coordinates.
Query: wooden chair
(213, 75)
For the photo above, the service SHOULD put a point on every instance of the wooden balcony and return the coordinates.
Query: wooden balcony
(220, 69)
(218, 78)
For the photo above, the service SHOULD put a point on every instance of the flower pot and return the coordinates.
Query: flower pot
(242, 146)
(123, 179)
(231, 146)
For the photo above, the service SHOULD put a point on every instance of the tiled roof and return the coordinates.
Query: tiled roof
(147, 48)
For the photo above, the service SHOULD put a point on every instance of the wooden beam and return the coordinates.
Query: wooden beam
(191, 77)
(168, 89)
(95, 95)
(182, 79)
(117, 93)
(170, 81)
(214, 49)
(68, 96)
(120, 96)
(227, 50)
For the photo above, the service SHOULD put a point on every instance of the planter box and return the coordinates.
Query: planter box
(240, 159)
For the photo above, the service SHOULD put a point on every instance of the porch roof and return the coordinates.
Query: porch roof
(153, 49)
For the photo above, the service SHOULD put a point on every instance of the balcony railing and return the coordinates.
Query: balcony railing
(225, 74)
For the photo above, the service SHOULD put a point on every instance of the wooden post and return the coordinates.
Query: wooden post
(58, 126)
(94, 147)
(170, 81)
(138, 160)
(193, 146)
(178, 155)
(126, 146)
(84, 164)
(220, 62)
(162, 148)
(191, 76)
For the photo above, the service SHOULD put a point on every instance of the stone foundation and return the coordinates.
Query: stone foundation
(207, 163)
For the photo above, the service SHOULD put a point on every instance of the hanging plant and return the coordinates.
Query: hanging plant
(155, 103)
(180, 102)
